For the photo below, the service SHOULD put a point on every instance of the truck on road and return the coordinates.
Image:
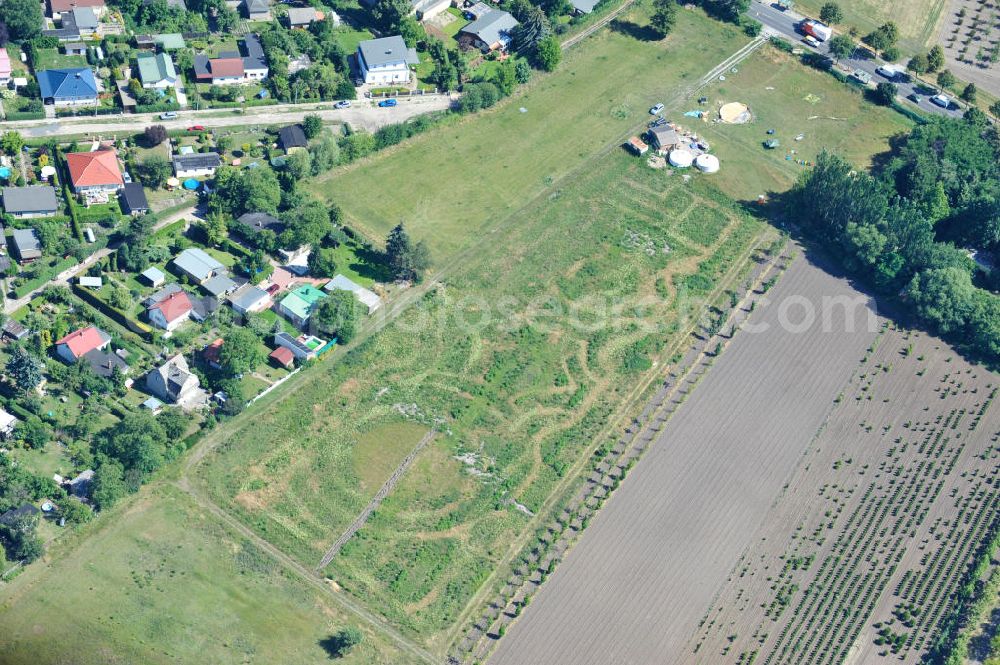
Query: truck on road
(817, 30)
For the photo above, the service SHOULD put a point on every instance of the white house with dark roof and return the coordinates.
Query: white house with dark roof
(491, 31)
(385, 60)
(196, 164)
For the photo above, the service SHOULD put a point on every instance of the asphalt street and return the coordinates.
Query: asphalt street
(785, 23)
(363, 113)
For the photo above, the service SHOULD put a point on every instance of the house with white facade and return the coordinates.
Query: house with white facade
(386, 60)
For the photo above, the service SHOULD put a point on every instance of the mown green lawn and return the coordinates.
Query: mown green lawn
(451, 182)
(160, 581)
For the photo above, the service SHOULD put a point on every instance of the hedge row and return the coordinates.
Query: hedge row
(44, 276)
(116, 315)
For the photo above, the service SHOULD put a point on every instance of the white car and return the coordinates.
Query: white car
(169, 115)
(890, 72)
(656, 110)
(944, 101)
(344, 104)
(811, 41)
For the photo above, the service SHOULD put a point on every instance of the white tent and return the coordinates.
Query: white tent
(681, 158)
(707, 163)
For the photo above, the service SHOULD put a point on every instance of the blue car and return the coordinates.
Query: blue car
(387, 102)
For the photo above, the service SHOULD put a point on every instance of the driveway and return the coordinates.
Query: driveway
(363, 113)
(784, 24)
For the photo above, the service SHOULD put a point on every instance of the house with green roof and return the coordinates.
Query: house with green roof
(299, 305)
(156, 71)
(170, 41)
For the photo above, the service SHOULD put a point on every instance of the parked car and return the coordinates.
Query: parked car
(811, 41)
(891, 72)
(862, 76)
(196, 128)
(169, 115)
(915, 98)
(343, 104)
(387, 102)
(944, 101)
(656, 110)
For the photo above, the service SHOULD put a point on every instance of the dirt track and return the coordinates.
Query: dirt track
(645, 571)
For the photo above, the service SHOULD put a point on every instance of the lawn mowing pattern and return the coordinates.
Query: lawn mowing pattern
(651, 560)
(160, 581)
(599, 93)
(519, 402)
(884, 514)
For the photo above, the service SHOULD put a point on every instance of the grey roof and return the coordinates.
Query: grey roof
(153, 274)
(219, 285)
(367, 297)
(133, 197)
(104, 363)
(492, 27)
(162, 294)
(197, 263)
(301, 15)
(665, 135)
(85, 17)
(80, 486)
(584, 6)
(14, 328)
(256, 6)
(75, 46)
(197, 160)
(26, 241)
(292, 136)
(259, 221)
(248, 297)
(292, 343)
(38, 198)
(254, 57)
(387, 50)
(25, 510)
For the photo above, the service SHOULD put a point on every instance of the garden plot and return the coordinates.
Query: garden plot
(517, 402)
(634, 586)
(861, 554)
(970, 35)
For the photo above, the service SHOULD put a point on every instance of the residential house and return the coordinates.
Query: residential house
(171, 311)
(5, 68)
(174, 382)
(250, 299)
(303, 347)
(7, 424)
(366, 297)
(59, 7)
(104, 363)
(664, 138)
(282, 357)
(97, 171)
(219, 286)
(254, 222)
(34, 201)
(490, 32)
(132, 199)
(257, 10)
(156, 71)
(254, 61)
(299, 305)
(26, 245)
(85, 20)
(80, 342)
(213, 353)
(227, 69)
(196, 164)
(302, 17)
(170, 41)
(154, 276)
(385, 60)
(292, 138)
(581, 7)
(198, 265)
(425, 9)
(68, 87)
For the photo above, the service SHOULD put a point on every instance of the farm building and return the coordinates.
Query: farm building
(80, 342)
(299, 305)
(34, 201)
(385, 60)
(198, 265)
(365, 296)
(26, 245)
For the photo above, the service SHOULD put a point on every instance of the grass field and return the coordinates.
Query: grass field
(162, 582)
(792, 100)
(459, 178)
(918, 20)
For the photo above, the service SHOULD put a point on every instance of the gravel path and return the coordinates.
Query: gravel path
(647, 568)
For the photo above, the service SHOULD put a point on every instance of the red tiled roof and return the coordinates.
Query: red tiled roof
(100, 167)
(212, 351)
(174, 306)
(83, 341)
(283, 356)
(60, 6)
(225, 67)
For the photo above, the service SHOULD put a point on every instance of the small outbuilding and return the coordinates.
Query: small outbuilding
(282, 357)
(132, 198)
(154, 276)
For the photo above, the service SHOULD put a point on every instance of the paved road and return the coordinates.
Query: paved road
(363, 113)
(63, 278)
(784, 23)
